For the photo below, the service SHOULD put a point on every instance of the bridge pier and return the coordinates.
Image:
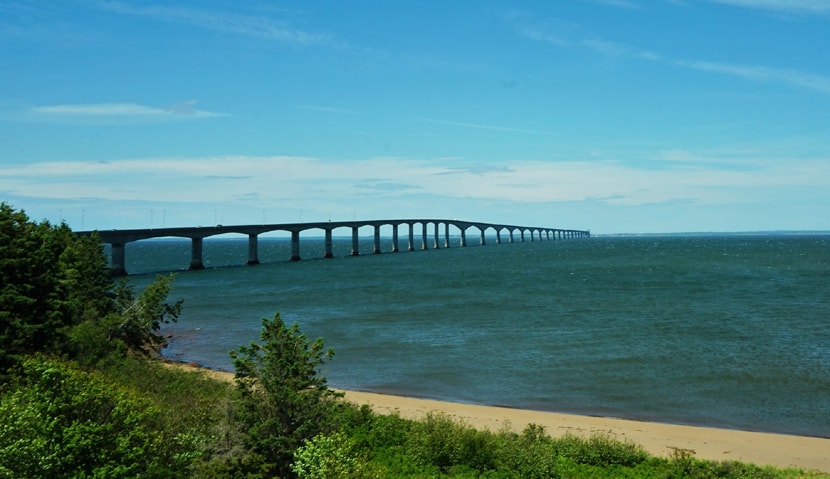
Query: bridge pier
(119, 238)
(118, 256)
(196, 254)
(295, 246)
(329, 253)
(253, 249)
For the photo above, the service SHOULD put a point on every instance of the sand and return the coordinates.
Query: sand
(659, 439)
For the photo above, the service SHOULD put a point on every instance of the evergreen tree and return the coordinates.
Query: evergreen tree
(284, 399)
(57, 296)
(47, 277)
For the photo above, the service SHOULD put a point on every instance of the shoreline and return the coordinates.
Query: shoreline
(659, 439)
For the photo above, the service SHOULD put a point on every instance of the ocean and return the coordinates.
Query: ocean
(728, 331)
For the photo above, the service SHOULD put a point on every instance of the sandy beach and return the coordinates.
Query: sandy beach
(659, 439)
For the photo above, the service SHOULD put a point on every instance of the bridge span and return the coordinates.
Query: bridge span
(119, 238)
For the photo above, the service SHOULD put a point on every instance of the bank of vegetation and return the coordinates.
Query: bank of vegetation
(82, 396)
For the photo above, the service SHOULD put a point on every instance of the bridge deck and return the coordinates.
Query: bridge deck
(118, 238)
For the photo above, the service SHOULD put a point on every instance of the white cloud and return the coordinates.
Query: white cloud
(110, 113)
(800, 79)
(276, 180)
(805, 80)
(617, 3)
(480, 126)
(326, 109)
(249, 25)
(808, 6)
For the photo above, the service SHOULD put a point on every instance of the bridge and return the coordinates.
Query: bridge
(118, 238)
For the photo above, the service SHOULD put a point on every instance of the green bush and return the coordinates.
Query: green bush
(58, 421)
(440, 441)
(683, 464)
(332, 456)
(527, 456)
(599, 450)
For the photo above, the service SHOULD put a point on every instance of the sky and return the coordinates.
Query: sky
(617, 116)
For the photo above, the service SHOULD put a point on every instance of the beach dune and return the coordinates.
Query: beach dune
(780, 450)
(659, 439)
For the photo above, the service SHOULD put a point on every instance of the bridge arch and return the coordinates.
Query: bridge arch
(422, 234)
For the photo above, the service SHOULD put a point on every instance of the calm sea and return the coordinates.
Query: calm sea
(727, 331)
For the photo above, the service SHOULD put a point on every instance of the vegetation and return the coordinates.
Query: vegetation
(81, 396)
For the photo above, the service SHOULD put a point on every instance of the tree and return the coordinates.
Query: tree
(56, 295)
(284, 400)
(141, 317)
(49, 279)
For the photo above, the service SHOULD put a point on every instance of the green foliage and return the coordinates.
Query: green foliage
(440, 441)
(133, 326)
(283, 399)
(599, 450)
(530, 455)
(331, 457)
(440, 447)
(683, 464)
(56, 296)
(140, 317)
(58, 421)
(50, 280)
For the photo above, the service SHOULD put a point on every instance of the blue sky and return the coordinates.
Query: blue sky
(619, 116)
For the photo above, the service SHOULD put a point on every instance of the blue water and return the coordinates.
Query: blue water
(724, 331)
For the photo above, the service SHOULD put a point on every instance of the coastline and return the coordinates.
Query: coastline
(659, 439)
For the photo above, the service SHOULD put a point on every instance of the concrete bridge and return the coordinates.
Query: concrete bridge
(118, 238)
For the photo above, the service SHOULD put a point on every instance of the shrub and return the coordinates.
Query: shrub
(599, 450)
(58, 421)
(527, 456)
(440, 441)
(331, 457)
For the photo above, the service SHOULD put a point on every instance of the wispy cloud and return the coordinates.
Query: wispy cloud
(617, 3)
(480, 126)
(249, 25)
(792, 77)
(325, 109)
(802, 6)
(819, 83)
(110, 113)
(620, 49)
(688, 175)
